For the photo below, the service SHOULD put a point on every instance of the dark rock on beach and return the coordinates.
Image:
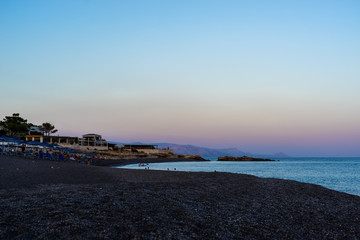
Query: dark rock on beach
(244, 159)
(42, 199)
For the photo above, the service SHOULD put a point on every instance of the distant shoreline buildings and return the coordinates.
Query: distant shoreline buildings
(92, 141)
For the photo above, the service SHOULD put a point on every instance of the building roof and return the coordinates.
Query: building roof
(91, 135)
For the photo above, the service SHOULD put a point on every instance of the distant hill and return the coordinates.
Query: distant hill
(190, 149)
(210, 152)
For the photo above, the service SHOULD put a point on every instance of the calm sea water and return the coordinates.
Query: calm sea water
(341, 174)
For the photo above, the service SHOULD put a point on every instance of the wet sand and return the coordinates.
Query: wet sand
(65, 200)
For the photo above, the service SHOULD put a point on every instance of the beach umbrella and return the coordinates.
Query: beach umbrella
(61, 148)
(18, 141)
(46, 144)
(34, 143)
(9, 141)
(4, 138)
(69, 150)
(15, 142)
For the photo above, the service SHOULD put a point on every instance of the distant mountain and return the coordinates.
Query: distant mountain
(190, 149)
(213, 153)
(232, 152)
(209, 152)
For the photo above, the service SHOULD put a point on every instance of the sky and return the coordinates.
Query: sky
(262, 76)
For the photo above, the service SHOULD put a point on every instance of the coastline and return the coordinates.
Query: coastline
(123, 162)
(46, 199)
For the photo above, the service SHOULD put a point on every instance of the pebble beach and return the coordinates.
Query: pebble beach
(42, 199)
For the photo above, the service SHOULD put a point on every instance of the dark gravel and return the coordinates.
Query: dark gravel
(50, 200)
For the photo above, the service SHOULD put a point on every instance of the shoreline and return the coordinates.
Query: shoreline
(124, 162)
(48, 199)
(330, 181)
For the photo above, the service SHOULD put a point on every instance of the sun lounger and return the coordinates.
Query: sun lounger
(49, 156)
(41, 154)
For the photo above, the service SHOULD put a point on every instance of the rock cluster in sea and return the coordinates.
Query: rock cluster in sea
(243, 158)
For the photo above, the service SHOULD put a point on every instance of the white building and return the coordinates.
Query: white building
(94, 140)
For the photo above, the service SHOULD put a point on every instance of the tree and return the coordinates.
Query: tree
(14, 126)
(47, 129)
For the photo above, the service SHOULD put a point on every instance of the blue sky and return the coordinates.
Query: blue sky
(263, 76)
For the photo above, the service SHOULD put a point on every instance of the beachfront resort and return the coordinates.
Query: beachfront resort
(45, 194)
(25, 139)
(85, 149)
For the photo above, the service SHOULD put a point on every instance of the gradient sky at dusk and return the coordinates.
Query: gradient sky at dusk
(262, 76)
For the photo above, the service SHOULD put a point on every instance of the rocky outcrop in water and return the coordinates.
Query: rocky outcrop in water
(244, 159)
(195, 157)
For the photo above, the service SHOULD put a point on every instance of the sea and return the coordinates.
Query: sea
(341, 174)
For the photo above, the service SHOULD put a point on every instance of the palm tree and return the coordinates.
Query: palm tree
(47, 129)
